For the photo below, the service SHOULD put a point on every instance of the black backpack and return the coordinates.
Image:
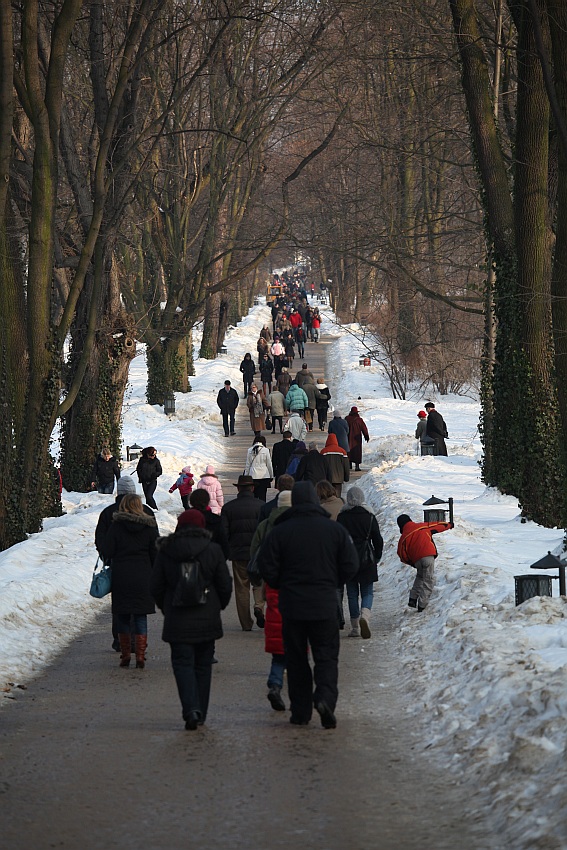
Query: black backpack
(191, 589)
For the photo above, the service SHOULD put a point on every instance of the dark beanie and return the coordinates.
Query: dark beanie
(401, 520)
(191, 517)
(304, 493)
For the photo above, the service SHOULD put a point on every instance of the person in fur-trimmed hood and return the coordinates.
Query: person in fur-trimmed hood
(209, 482)
(191, 632)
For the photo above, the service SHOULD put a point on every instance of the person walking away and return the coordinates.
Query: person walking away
(248, 369)
(281, 453)
(240, 518)
(311, 393)
(307, 577)
(124, 485)
(259, 467)
(322, 399)
(283, 483)
(273, 628)
(299, 452)
(339, 427)
(328, 498)
(356, 431)
(185, 485)
(297, 426)
(199, 499)
(256, 404)
(227, 402)
(436, 428)
(266, 372)
(149, 470)
(417, 549)
(304, 374)
(283, 381)
(191, 631)
(421, 431)
(359, 520)
(276, 400)
(209, 482)
(105, 470)
(338, 469)
(266, 333)
(130, 546)
(296, 400)
(312, 466)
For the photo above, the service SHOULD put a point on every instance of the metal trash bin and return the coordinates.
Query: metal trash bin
(532, 585)
(428, 449)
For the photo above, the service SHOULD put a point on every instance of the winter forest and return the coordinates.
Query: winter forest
(158, 159)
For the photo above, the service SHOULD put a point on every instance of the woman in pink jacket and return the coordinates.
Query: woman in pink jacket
(211, 484)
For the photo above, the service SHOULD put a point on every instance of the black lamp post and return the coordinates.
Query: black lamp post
(438, 514)
(169, 403)
(552, 562)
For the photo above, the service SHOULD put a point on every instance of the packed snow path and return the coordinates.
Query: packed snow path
(94, 756)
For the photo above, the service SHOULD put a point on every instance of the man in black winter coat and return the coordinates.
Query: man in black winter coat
(227, 401)
(281, 453)
(105, 470)
(240, 519)
(306, 556)
(436, 428)
(312, 467)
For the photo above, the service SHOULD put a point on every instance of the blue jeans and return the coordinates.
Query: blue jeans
(366, 591)
(275, 678)
(108, 489)
(122, 622)
(192, 665)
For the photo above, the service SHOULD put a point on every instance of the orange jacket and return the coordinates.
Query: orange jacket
(416, 541)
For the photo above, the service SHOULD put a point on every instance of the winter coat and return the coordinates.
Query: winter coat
(416, 541)
(437, 430)
(295, 320)
(240, 518)
(198, 623)
(361, 523)
(148, 469)
(311, 393)
(266, 370)
(356, 431)
(266, 334)
(273, 627)
(248, 368)
(323, 396)
(284, 383)
(296, 398)
(312, 467)
(277, 403)
(227, 402)
(316, 321)
(297, 426)
(277, 348)
(337, 460)
(289, 349)
(281, 453)
(280, 363)
(339, 427)
(304, 375)
(299, 452)
(333, 505)
(307, 575)
(184, 483)
(421, 433)
(105, 471)
(130, 546)
(255, 402)
(105, 521)
(213, 523)
(212, 485)
(259, 463)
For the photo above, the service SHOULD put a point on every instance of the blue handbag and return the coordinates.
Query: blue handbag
(101, 583)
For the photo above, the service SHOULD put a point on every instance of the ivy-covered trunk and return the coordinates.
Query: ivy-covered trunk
(167, 369)
(210, 336)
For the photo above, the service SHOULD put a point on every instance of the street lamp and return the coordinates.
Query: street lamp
(133, 451)
(169, 403)
(438, 514)
(552, 562)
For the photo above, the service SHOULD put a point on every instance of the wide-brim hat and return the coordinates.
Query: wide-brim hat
(245, 481)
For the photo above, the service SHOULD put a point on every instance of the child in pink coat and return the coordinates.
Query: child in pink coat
(185, 486)
(211, 484)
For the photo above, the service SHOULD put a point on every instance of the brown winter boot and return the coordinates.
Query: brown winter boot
(141, 644)
(124, 641)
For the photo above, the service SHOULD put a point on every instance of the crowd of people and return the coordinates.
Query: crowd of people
(296, 591)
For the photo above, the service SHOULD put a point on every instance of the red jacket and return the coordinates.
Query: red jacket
(295, 320)
(416, 541)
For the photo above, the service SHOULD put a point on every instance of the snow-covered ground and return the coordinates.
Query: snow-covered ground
(487, 679)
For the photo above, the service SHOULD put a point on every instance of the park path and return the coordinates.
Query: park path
(93, 756)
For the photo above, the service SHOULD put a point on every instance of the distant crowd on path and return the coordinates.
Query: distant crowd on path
(297, 591)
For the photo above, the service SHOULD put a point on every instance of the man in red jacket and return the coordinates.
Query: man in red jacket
(416, 548)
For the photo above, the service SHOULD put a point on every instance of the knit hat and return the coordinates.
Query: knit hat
(402, 520)
(355, 496)
(354, 410)
(125, 484)
(304, 493)
(422, 414)
(337, 414)
(186, 470)
(191, 517)
(284, 499)
(209, 470)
